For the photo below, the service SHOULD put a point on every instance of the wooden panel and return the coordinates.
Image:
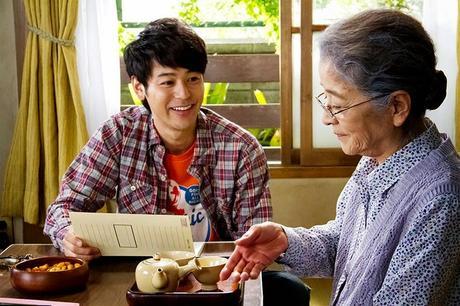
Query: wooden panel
(319, 27)
(273, 153)
(234, 68)
(242, 68)
(315, 28)
(267, 116)
(306, 123)
(34, 234)
(311, 172)
(251, 115)
(329, 157)
(286, 81)
(124, 79)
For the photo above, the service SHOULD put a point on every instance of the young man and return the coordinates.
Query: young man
(169, 156)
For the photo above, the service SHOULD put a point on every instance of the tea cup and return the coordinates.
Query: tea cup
(208, 274)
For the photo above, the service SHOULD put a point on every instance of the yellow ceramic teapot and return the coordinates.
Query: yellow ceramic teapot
(161, 274)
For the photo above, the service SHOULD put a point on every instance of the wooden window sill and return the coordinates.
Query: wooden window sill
(278, 171)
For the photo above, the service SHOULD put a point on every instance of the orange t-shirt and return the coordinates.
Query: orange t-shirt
(184, 195)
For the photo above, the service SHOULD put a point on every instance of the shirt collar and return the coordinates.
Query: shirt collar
(204, 148)
(153, 137)
(381, 177)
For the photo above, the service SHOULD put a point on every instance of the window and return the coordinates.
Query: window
(287, 77)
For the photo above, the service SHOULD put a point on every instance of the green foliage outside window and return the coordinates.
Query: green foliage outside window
(266, 11)
(215, 93)
(189, 11)
(124, 38)
(395, 4)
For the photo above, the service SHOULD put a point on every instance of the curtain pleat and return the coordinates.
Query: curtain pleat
(50, 128)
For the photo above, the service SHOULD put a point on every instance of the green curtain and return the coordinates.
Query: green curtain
(50, 127)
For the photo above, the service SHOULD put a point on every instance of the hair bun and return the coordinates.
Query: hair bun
(437, 92)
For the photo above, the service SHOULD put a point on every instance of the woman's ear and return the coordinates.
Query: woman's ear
(401, 105)
(138, 87)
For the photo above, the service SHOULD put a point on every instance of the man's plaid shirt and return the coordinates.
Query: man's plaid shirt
(124, 158)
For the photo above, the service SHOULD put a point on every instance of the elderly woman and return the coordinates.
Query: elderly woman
(396, 236)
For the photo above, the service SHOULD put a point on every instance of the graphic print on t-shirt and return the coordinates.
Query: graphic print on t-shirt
(184, 194)
(186, 200)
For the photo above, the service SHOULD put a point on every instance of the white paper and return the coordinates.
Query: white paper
(134, 234)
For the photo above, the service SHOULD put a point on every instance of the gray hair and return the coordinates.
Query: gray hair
(381, 51)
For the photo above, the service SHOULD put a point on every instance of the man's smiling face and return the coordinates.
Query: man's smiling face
(174, 96)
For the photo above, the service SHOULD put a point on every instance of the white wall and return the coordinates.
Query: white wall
(440, 21)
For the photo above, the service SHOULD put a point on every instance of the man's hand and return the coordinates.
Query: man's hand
(257, 249)
(76, 247)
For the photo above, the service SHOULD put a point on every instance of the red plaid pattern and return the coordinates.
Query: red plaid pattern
(124, 159)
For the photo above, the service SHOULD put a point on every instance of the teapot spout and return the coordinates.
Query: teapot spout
(159, 279)
(188, 268)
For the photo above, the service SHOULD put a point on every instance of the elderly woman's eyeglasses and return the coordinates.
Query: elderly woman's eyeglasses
(321, 98)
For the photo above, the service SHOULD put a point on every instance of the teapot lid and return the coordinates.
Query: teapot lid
(157, 259)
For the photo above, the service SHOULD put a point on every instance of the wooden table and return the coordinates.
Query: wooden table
(110, 277)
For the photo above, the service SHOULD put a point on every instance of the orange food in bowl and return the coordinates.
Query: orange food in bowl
(60, 266)
(49, 274)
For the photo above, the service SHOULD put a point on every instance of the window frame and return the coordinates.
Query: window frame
(306, 161)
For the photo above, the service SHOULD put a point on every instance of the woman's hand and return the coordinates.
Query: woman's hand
(256, 250)
(77, 247)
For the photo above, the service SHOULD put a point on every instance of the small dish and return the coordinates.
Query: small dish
(7, 262)
(71, 277)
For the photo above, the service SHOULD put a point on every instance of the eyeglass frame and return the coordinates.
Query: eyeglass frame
(332, 114)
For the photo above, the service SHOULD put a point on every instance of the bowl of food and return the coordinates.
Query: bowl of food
(49, 274)
(181, 257)
(208, 275)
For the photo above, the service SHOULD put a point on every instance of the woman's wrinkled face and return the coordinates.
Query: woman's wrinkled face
(365, 129)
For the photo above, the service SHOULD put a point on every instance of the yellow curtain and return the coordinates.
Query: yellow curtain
(457, 102)
(50, 127)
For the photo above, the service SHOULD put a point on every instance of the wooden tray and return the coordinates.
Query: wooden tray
(189, 293)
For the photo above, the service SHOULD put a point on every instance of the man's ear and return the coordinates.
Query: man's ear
(401, 106)
(138, 87)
